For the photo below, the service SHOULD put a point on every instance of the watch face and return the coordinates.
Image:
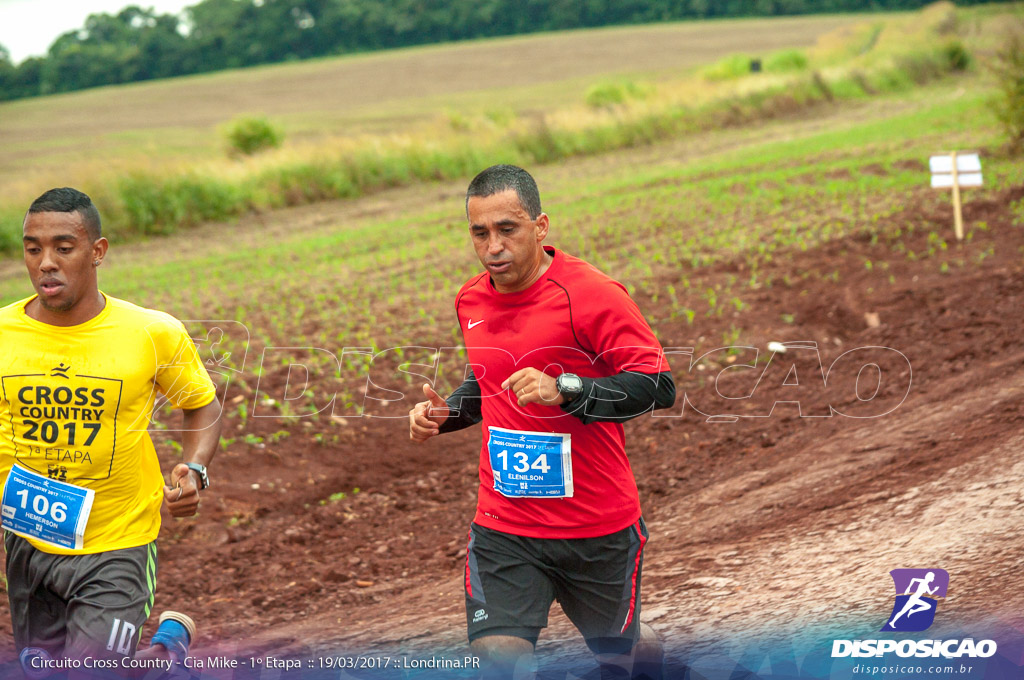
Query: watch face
(570, 383)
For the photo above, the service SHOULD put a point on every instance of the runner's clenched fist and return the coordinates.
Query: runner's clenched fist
(426, 417)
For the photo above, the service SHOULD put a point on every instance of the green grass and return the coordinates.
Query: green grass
(354, 283)
(659, 226)
(655, 210)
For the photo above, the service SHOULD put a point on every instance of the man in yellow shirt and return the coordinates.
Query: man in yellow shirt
(79, 374)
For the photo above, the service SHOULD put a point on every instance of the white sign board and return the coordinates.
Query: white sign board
(972, 179)
(965, 173)
(969, 162)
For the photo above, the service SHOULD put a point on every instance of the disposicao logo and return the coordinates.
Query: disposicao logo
(917, 594)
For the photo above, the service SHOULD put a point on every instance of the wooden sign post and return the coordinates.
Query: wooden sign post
(954, 170)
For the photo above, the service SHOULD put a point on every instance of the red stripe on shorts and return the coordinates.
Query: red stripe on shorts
(469, 584)
(636, 569)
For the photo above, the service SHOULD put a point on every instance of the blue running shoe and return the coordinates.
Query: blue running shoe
(35, 663)
(175, 632)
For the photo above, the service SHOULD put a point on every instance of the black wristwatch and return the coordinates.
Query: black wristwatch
(204, 479)
(569, 386)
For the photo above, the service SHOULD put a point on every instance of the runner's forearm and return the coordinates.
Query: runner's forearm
(201, 437)
(464, 403)
(622, 397)
(617, 398)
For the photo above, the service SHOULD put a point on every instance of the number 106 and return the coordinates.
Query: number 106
(41, 506)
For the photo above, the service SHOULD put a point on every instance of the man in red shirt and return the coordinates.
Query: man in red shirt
(560, 356)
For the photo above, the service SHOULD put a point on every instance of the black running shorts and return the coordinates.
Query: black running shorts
(79, 606)
(511, 582)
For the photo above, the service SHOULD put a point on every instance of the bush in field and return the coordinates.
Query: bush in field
(785, 60)
(605, 95)
(922, 66)
(739, 65)
(727, 68)
(250, 134)
(500, 117)
(956, 55)
(1009, 104)
(610, 95)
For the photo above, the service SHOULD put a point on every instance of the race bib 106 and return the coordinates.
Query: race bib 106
(530, 464)
(48, 510)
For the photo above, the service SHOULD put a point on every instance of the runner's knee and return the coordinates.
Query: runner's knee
(495, 646)
(505, 656)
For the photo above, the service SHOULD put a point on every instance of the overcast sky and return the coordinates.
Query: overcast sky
(28, 27)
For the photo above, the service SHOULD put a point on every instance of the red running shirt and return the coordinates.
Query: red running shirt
(574, 319)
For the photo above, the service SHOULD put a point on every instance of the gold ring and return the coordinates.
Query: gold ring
(180, 491)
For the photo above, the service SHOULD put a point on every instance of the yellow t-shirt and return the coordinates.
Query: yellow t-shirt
(76, 402)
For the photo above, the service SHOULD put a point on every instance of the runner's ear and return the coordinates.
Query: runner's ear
(99, 248)
(542, 226)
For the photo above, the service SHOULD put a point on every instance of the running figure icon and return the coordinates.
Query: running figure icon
(916, 603)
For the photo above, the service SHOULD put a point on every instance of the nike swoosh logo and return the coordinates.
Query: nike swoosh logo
(471, 324)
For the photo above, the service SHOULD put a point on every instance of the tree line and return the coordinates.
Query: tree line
(138, 44)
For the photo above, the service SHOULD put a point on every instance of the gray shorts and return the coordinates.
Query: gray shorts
(512, 580)
(78, 606)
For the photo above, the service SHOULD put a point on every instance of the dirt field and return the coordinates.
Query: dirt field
(758, 528)
(745, 518)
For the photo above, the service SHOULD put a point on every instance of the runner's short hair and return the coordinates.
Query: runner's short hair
(65, 200)
(498, 178)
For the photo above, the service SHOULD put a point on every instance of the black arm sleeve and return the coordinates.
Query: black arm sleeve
(464, 403)
(622, 397)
